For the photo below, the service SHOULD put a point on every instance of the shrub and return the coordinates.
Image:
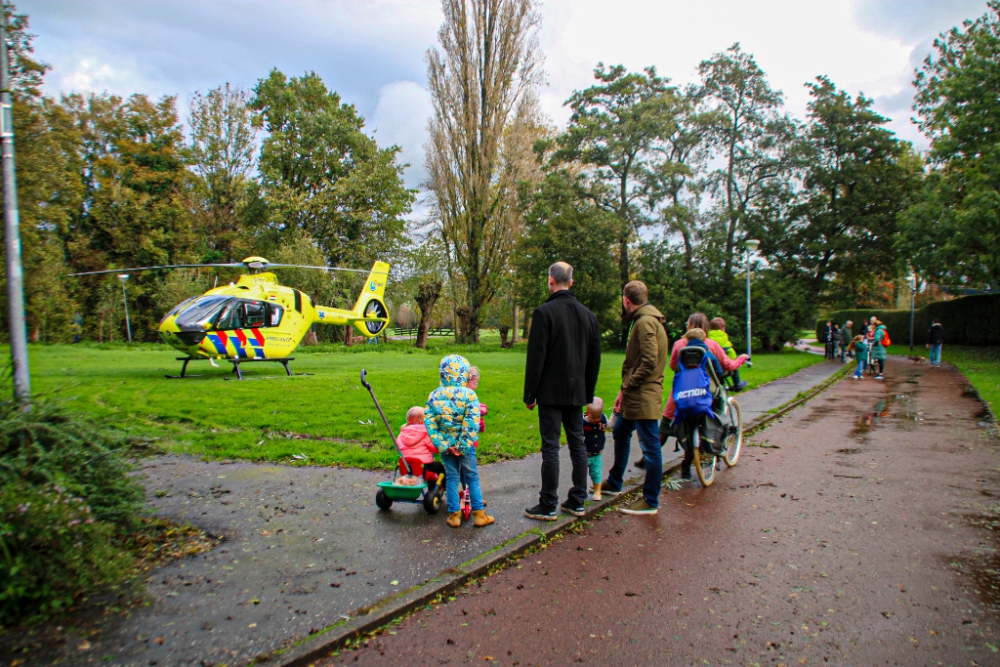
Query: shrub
(69, 511)
(53, 551)
(48, 446)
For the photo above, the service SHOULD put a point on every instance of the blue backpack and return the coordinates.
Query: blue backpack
(691, 392)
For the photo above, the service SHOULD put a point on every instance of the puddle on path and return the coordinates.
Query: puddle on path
(896, 405)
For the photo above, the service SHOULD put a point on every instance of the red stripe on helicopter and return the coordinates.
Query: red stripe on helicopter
(222, 337)
(259, 336)
(242, 336)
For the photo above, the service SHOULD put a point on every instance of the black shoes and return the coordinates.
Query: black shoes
(739, 386)
(541, 513)
(640, 464)
(572, 508)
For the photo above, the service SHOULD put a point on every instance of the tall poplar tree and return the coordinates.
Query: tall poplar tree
(482, 80)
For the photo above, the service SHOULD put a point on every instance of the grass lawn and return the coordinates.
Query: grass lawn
(323, 414)
(980, 364)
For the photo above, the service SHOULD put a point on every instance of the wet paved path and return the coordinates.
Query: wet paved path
(862, 531)
(305, 546)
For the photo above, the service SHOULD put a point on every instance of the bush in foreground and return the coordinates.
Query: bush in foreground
(49, 446)
(68, 510)
(52, 552)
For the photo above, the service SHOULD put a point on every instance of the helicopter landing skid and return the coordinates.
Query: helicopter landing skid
(235, 362)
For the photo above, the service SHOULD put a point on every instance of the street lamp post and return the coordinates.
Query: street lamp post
(12, 235)
(913, 303)
(128, 325)
(751, 245)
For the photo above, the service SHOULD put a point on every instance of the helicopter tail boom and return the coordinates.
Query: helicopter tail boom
(370, 315)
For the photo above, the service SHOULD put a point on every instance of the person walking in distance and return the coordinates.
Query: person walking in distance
(846, 336)
(935, 339)
(879, 349)
(640, 398)
(564, 358)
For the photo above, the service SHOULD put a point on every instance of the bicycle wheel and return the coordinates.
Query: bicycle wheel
(704, 464)
(734, 441)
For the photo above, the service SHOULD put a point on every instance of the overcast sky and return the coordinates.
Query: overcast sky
(372, 51)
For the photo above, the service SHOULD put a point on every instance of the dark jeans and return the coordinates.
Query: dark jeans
(649, 442)
(552, 419)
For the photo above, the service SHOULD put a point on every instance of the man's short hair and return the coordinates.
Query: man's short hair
(561, 273)
(637, 292)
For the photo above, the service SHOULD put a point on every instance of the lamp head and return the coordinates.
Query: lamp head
(752, 244)
(123, 277)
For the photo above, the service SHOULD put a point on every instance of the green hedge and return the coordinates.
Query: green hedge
(969, 320)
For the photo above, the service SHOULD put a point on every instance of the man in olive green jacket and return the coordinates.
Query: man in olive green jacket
(640, 400)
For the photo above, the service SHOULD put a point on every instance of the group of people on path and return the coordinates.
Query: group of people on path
(869, 348)
(563, 362)
(562, 366)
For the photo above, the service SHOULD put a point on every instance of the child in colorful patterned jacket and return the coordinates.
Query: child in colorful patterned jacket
(452, 419)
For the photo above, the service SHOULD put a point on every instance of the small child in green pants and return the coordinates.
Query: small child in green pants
(595, 425)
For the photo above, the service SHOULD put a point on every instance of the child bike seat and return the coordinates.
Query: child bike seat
(691, 356)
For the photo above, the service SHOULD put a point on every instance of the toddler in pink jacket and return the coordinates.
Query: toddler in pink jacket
(414, 442)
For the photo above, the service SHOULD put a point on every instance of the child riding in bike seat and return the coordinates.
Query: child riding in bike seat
(697, 338)
(718, 333)
(695, 321)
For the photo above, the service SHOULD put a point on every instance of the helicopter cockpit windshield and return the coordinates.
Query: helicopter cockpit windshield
(201, 312)
(226, 313)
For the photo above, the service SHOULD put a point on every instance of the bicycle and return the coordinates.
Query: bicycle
(699, 435)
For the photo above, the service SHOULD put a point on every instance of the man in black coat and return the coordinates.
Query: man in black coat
(935, 339)
(564, 358)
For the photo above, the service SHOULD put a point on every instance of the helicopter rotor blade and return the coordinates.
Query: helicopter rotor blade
(323, 268)
(236, 265)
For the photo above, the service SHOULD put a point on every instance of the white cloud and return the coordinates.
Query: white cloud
(401, 118)
(793, 41)
(371, 51)
(90, 75)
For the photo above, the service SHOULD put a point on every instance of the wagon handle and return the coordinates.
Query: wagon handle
(392, 436)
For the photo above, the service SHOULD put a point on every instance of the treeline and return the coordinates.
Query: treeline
(284, 171)
(648, 180)
(665, 183)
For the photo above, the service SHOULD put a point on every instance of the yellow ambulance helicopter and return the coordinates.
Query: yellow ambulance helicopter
(257, 318)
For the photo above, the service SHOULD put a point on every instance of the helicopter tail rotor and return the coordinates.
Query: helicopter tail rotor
(371, 303)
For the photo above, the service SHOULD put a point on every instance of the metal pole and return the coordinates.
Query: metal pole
(11, 225)
(913, 301)
(128, 325)
(748, 303)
